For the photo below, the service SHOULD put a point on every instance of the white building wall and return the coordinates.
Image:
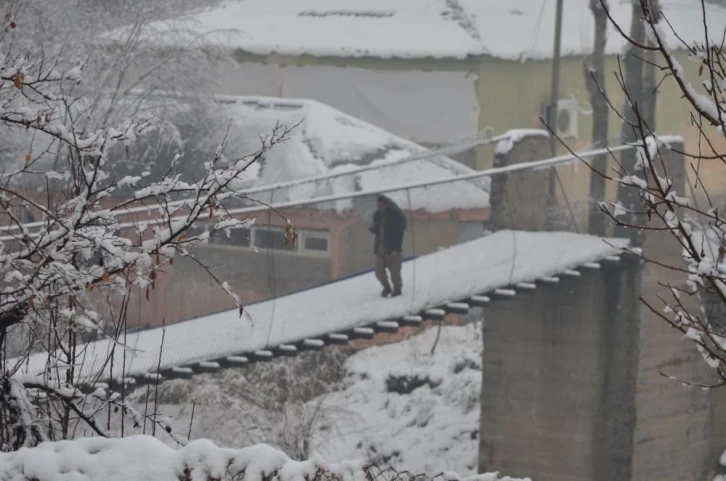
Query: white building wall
(426, 107)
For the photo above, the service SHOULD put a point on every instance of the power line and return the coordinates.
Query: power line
(537, 164)
(481, 138)
(535, 33)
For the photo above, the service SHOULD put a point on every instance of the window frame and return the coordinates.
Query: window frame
(314, 234)
(281, 230)
(300, 249)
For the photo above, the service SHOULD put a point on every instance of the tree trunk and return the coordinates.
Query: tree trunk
(632, 110)
(595, 82)
(649, 77)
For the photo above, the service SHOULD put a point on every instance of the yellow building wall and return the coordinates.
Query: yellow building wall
(512, 95)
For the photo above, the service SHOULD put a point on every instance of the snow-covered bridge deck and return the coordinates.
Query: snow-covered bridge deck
(451, 279)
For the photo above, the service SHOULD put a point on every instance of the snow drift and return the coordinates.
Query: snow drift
(418, 410)
(141, 458)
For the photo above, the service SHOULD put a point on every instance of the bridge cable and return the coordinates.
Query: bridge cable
(271, 272)
(413, 246)
(567, 200)
(514, 245)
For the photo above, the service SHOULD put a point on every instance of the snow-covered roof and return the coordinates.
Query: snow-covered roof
(494, 261)
(507, 29)
(326, 141)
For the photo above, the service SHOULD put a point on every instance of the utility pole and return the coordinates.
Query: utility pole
(555, 87)
(554, 97)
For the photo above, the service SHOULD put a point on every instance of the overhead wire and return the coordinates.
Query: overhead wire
(413, 246)
(481, 138)
(536, 164)
(271, 271)
(535, 33)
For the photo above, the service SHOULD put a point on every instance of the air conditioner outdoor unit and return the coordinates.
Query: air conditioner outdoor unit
(567, 118)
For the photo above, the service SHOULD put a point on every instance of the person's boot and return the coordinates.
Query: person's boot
(396, 293)
(386, 292)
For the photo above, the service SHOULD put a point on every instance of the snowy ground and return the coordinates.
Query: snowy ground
(395, 405)
(143, 458)
(410, 408)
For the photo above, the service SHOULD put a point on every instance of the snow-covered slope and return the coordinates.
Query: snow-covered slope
(408, 407)
(141, 458)
(511, 29)
(398, 405)
(395, 404)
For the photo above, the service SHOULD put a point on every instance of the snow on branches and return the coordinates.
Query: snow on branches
(658, 206)
(67, 248)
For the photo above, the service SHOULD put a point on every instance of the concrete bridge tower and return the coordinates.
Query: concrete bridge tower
(573, 386)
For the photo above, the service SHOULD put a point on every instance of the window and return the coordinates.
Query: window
(316, 244)
(273, 238)
(315, 241)
(470, 231)
(26, 215)
(241, 237)
(311, 242)
(196, 230)
(236, 237)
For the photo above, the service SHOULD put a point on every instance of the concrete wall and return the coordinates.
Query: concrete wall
(671, 416)
(572, 388)
(573, 376)
(547, 392)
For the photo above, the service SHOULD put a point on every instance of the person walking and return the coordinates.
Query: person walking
(389, 223)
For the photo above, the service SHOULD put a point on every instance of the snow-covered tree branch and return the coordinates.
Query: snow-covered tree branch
(120, 47)
(651, 201)
(71, 243)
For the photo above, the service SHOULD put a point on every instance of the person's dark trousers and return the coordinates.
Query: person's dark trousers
(392, 262)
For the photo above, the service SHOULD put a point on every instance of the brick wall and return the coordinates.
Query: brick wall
(187, 291)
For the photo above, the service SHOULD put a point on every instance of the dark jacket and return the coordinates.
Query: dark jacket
(395, 225)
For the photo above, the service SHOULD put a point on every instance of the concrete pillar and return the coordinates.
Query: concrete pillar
(573, 385)
(557, 391)
(679, 432)
(519, 199)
